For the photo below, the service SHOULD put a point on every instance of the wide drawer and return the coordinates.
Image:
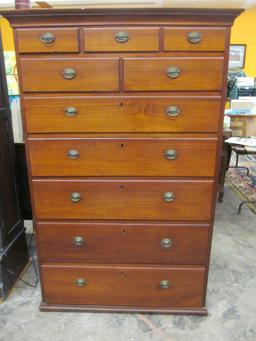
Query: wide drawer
(130, 156)
(123, 286)
(173, 74)
(128, 114)
(69, 74)
(47, 40)
(113, 242)
(121, 39)
(135, 199)
(194, 38)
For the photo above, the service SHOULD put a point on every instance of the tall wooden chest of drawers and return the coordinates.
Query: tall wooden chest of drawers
(122, 110)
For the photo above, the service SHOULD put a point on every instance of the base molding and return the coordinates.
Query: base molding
(108, 309)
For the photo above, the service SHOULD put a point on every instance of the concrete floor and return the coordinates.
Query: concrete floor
(231, 299)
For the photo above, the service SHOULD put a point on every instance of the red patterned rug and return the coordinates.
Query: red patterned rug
(244, 186)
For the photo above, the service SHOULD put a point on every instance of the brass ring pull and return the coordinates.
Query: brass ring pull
(168, 196)
(75, 196)
(172, 111)
(70, 111)
(121, 37)
(166, 243)
(173, 72)
(164, 284)
(80, 282)
(194, 37)
(69, 73)
(47, 38)
(78, 241)
(170, 154)
(73, 154)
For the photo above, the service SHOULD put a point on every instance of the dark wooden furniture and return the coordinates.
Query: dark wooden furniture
(123, 113)
(13, 248)
(224, 162)
(22, 177)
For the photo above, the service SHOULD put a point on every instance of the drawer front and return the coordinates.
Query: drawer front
(106, 199)
(123, 286)
(47, 40)
(122, 156)
(194, 38)
(123, 243)
(121, 39)
(70, 74)
(112, 114)
(173, 74)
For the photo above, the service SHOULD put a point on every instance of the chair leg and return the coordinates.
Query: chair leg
(221, 195)
(237, 159)
(240, 207)
(245, 202)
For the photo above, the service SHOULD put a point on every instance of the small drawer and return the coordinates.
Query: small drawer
(106, 199)
(123, 286)
(194, 38)
(121, 114)
(148, 156)
(121, 39)
(69, 74)
(47, 40)
(160, 243)
(173, 74)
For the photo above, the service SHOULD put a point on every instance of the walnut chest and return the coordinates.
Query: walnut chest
(122, 112)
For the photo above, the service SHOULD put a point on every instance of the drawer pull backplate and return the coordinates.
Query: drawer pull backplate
(168, 196)
(121, 37)
(69, 73)
(173, 72)
(73, 154)
(70, 111)
(47, 38)
(164, 284)
(75, 196)
(80, 282)
(78, 241)
(166, 243)
(194, 37)
(170, 154)
(172, 111)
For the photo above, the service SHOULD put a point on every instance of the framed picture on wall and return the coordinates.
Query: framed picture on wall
(237, 56)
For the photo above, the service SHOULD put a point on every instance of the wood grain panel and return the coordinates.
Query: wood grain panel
(121, 114)
(91, 74)
(65, 40)
(123, 199)
(122, 156)
(212, 38)
(137, 286)
(123, 243)
(103, 39)
(150, 74)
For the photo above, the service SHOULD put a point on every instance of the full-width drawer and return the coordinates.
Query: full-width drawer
(173, 74)
(130, 156)
(194, 38)
(121, 114)
(123, 286)
(135, 199)
(121, 39)
(151, 243)
(69, 74)
(47, 40)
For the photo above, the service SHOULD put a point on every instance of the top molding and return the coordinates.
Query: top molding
(71, 17)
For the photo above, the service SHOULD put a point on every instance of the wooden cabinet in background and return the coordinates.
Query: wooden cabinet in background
(13, 247)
